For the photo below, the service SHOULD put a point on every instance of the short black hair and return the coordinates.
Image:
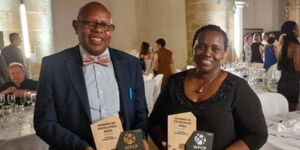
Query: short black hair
(211, 27)
(13, 36)
(271, 40)
(161, 42)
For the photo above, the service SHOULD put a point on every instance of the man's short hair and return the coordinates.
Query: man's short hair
(16, 64)
(161, 42)
(271, 40)
(13, 36)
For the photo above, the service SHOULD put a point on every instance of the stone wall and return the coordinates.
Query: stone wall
(265, 14)
(39, 26)
(203, 12)
(294, 10)
(135, 20)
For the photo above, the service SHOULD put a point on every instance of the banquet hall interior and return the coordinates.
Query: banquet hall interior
(46, 28)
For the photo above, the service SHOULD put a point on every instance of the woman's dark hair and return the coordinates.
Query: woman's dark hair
(161, 42)
(211, 27)
(287, 29)
(144, 48)
(271, 40)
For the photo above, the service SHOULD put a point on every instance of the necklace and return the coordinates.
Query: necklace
(210, 80)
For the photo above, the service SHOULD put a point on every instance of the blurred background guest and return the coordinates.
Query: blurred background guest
(146, 58)
(164, 60)
(247, 48)
(256, 49)
(270, 56)
(223, 103)
(265, 37)
(18, 84)
(289, 64)
(3, 71)
(12, 53)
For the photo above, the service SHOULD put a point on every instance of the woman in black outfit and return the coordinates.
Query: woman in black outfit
(223, 103)
(256, 49)
(289, 64)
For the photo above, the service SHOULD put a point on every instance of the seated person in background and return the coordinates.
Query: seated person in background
(223, 103)
(18, 84)
(270, 56)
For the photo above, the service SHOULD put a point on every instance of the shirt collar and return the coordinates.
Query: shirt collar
(83, 51)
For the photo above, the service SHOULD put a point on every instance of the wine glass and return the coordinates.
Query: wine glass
(11, 99)
(2, 100)
(27, 97)
(22, 100)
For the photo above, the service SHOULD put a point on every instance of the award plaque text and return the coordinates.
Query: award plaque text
(106, 133)
(180, 128)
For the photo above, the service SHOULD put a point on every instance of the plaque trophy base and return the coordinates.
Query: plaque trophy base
(131, 140)
(200, 140)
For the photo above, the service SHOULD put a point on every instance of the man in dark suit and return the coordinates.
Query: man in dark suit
(74, 92)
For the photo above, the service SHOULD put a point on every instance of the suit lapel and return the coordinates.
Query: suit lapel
(121, 72)
(74, 68)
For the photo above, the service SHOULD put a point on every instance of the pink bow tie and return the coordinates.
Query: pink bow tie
(102, 60)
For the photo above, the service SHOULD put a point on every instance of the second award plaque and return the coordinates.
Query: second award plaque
(180, 128)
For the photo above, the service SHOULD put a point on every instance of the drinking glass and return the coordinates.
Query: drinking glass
(2, 100)
(28, 98)
(11, 99)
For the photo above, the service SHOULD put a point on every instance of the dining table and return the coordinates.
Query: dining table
(17, 132)
(283, 131)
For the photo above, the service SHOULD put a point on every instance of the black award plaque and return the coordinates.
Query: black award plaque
(131, 140)
(200, 140)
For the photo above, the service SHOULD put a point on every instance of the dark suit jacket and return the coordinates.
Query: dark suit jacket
(12, 53)
(62, 115)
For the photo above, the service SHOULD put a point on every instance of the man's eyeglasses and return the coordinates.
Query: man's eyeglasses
(94, 24)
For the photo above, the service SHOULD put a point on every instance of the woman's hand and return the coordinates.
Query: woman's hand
(238, 145)
(146, 145)
(19, 93)
(164, 144)
(89, 148)
(11, 89)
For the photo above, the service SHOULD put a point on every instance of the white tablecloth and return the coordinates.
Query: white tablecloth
(284, 132)
(18, 133)
(16, 124)
(149, 93)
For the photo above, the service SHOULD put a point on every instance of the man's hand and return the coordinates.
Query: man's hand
(146, 145)
(89, 148)
(164, 144)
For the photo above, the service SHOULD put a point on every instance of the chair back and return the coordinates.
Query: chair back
(178, 70)
(149, 92)
(157, 88)
(273, 104)
(148, 77)
(189, 67)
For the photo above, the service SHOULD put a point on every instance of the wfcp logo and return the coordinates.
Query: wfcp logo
(200, 139)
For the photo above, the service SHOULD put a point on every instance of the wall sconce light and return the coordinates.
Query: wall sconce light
(24, 26)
